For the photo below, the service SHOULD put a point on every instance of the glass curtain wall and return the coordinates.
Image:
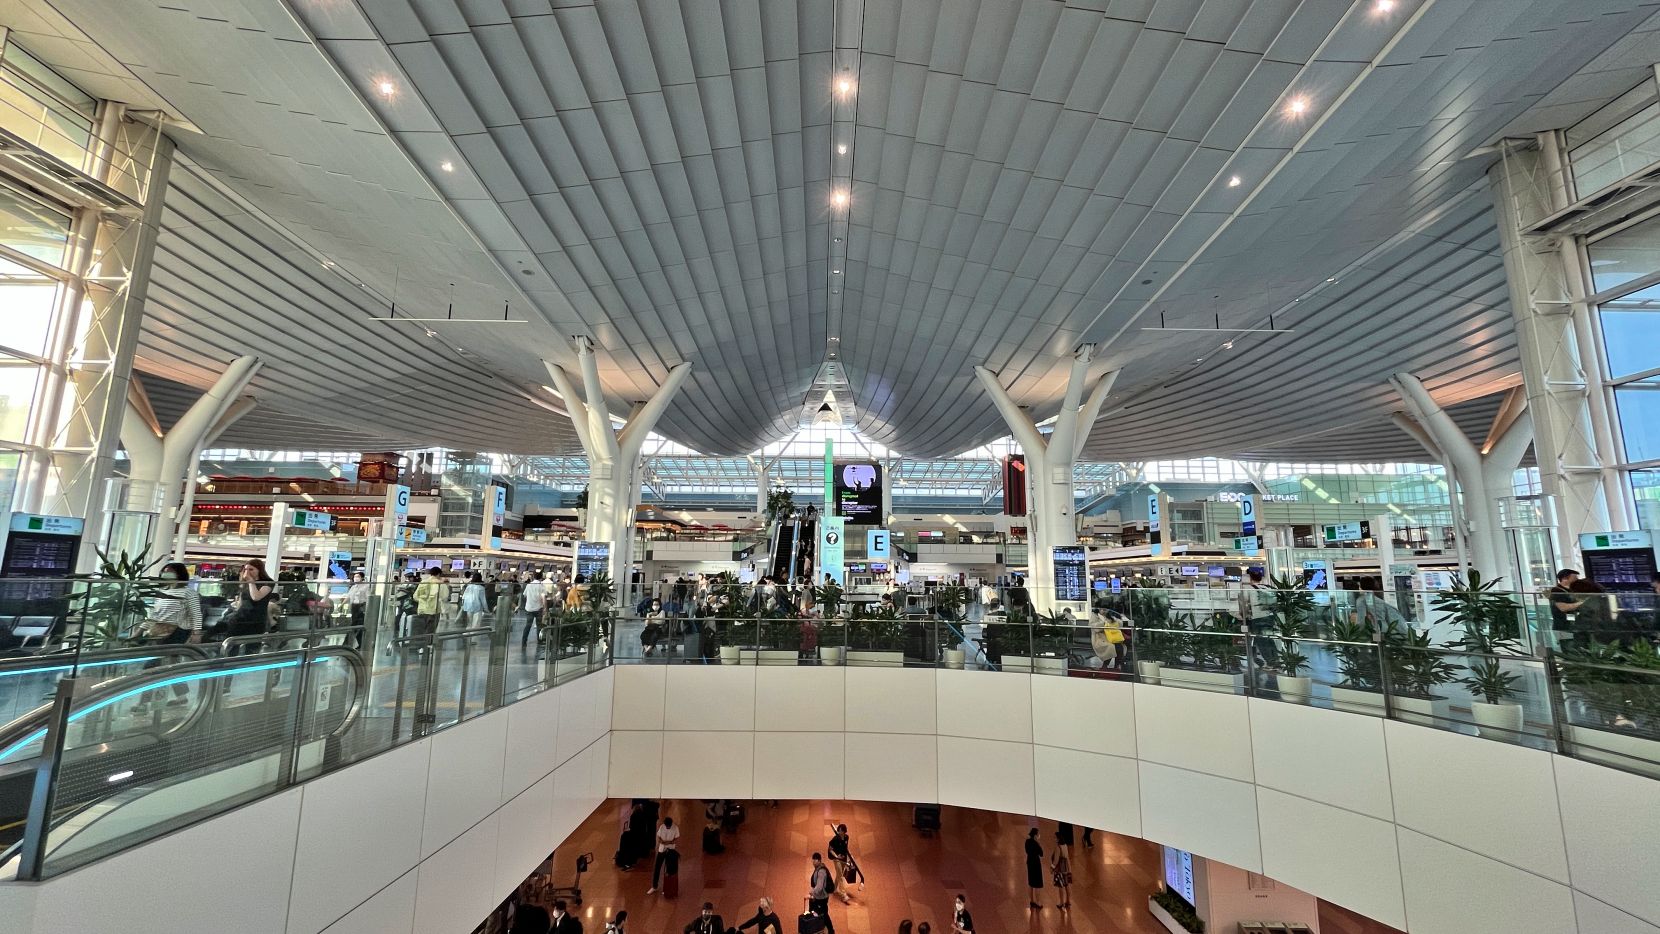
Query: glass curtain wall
(1625, 267)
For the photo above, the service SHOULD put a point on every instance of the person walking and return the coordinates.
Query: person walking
(536, 601)
(820, 886)
(847, 868)
(357, 604)
(668, 848)
(961, 921)
(765, 920)
(175, 618)
(1064, 836)
(563, 921)
(1060, 870)
(429, 602)
(474, 601)
(1034, 866)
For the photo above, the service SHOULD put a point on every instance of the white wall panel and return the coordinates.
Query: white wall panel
(360, 828)
(248, 854)
(525, 830)
(977, 707)
(1088, 789)
(457, 886)
(892, 767)
(1347, 858)
(1493, 798)
(390, 909)
(636, 764)
(710, 697)
(532, 742)
(708, 764)
(890, 700)
(1326, 755)
(1084, 713)
(1596, 917)
(987, 774)
(1204, 814)
(584, 713)
(800, 699)
(1194, 730)
(1612, 822)
(575, 794)
(637, 697)
(1450, 890)
(800, 765)
(464, 778)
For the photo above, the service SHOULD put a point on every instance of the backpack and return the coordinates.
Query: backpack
(830, 881)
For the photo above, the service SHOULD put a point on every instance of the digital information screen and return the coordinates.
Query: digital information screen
(859, 492)
(1071, 574)
(1621, 569)
(593, 558)
(1178, 872)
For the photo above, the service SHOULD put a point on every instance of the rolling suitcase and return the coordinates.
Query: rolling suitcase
(810, 923)
(671, 876)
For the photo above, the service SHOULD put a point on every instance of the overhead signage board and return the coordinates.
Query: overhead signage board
(1071, 574)
(878, 545)
(310, 519)
(47, 525)
(1624, 562)
(1155, 529)
(1250, 544)
(1598, 541)
(397, 501)
(832, 548)
(1247, 515)
(1348, 532)
(593, 558)
(412, 535)
(1190, 570)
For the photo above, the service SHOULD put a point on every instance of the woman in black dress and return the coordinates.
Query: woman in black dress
(1034, 865)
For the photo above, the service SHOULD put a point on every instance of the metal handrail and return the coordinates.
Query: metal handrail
(277, 636)
(69, 658)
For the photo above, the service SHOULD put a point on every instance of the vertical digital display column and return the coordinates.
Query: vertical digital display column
(1071, 574)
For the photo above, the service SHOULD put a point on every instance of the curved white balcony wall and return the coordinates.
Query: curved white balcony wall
(1425, 830)
(428, 837)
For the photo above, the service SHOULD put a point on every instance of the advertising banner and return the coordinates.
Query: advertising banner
(858, 491)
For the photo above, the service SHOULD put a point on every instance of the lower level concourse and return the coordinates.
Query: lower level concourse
(905, 874)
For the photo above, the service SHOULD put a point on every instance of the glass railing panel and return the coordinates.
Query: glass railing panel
(1608, 704)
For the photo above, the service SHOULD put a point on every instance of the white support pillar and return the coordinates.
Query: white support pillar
(613, 457)
(1461, 548)
(1481, 478)
(187, 507)
(167, 464)
(1049, 464)
(1560, 368)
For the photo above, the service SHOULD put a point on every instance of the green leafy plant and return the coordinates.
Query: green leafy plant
(1357, 655)
(1618, 686)
(949, 602)
(1488, 618)
(600, 594)
(828, 598)
(780, 505)
(878, 632)
(115, 599)
(1488, 678)
(1052, 634)
(580, 501)
(1179, 911)
(1290, 601)
(1290, 630)
(778, 632)
(1415, 667)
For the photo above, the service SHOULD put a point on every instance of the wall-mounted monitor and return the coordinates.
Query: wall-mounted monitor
(858, 489)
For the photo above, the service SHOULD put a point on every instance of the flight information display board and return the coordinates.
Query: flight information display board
(859, 492)
(593, 558)
(1071, 574)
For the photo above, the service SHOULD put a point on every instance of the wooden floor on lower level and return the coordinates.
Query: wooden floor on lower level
(910, 875)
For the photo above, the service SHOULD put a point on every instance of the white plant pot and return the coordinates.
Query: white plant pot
(875, 659)
(1294, 689)
(1218, 681)
(1424, 711)
(777, 657)
(1018, 663)
(830, 655)
(1616, 748)
(1355, 700)
(729, 655)
(1504, 720)
(954, 658)
(1148, 672)
(1049, 666)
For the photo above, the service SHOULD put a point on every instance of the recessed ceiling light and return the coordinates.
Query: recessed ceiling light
(835, 272)
(844, 85)
(1384, 6)
(1235, 182)
(839, 197)
(838, 240)
(447, 165)
(841, 149)
(387, 89)
(1297, 106)
(328, 264)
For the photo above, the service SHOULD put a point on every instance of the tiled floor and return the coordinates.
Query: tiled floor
(910, 875)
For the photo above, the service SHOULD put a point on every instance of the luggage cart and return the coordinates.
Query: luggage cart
(573, 892)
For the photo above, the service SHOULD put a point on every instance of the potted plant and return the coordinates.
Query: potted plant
(1211, 656)
(832, 635)
(949, 602)
(876, 639)
(1415, 670)
(1175, 913)
(1489, 621)
(780, 505)
(1361, 665)
(1293, 685)
(1614, 693)
(1041, 646)
(780, 640)
(114, 600)
(580, 503)
(1152, 643)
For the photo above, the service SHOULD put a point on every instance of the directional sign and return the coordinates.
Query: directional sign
(412, 535)
(878, 545)
(310, 519)
(399, 495)
(1250, 544)
(831, 548)
(1155, 531)
(1348, 531)
(1248, 515)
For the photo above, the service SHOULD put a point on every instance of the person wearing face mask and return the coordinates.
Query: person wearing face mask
(656, 620)
(707, 922)
(563, 921)
(357, 601)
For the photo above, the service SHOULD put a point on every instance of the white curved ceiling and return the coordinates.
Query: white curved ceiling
(1027, 175)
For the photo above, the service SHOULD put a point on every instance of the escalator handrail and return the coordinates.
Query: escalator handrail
(276, 636)
(68, 660)
(24, 729)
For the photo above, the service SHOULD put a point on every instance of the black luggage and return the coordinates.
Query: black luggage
(711, 840)
(810, 924)
(734, 817)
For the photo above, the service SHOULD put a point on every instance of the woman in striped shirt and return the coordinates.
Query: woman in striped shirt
(175, 617)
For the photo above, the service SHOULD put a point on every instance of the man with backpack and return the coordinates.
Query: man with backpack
(820, 886)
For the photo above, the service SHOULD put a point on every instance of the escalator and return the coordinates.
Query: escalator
(150, 750)
(793, 544)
